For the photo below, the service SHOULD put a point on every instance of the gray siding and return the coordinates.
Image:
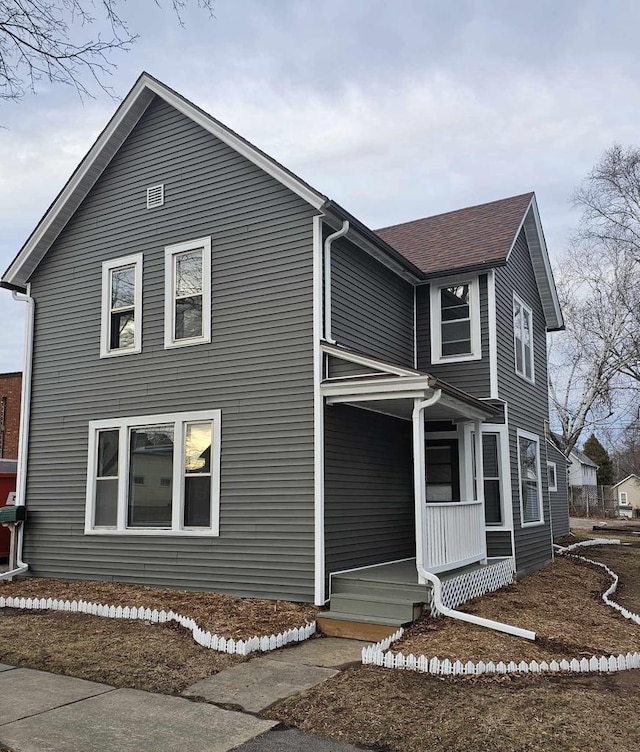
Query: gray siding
(472, 377)
(559, 499)
(339, 368)
(527, 403)
(371, 307)
(369, 509)
(257, 369)
(499, 543)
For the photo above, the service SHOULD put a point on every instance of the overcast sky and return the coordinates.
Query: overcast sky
(396, 110)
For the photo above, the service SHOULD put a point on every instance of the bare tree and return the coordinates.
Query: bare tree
(62, 41)
(595, 366)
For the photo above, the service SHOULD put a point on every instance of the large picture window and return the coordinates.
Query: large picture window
(455, 321)
(121, 329)
(529, 472)
(188, 293)
(523, 339)
(157, 474)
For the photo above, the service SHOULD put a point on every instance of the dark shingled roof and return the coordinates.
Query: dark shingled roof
(475, 237)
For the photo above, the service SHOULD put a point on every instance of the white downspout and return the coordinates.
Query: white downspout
(420, 500)
(327, 279)
(25, 415)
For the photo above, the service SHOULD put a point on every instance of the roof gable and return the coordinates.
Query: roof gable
(624, 480)
(476, 238)
(104, 149)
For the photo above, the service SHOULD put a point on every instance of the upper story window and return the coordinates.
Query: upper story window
(455, 321)
(552, 477)
(156, 474)
(530, 485)
(121, 327)
(187, 307)
(523, 339)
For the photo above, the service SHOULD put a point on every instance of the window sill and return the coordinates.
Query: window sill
(120, 353)
(160, 533)
(187, 343)
(539, 523)
(443, 359)
(531, 381)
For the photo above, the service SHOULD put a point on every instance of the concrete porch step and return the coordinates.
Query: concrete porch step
(360, 604)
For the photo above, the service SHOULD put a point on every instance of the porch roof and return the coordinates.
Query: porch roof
(394, 395)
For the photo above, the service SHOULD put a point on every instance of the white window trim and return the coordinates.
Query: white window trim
(553, 487)
(435, 319)
(522, 374)
(123, 425)
(531, 437)
(134, 260)
(169, 285)
(624, 498)
(504, 468)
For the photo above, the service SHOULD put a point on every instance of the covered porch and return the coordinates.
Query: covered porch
(447, 460)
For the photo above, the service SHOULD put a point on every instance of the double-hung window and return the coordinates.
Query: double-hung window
(552, 478)
(529, 476)
(187, 307)
(523, 339)
(455, 321)
(155, 474)
(121, 329)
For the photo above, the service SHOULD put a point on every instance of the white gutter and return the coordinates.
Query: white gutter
(327, 279)
(420, 497)
(25, 415)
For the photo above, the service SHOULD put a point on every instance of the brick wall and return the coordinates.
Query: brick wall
(10, 389)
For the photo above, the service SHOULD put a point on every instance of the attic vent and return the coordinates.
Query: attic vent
(155, 196)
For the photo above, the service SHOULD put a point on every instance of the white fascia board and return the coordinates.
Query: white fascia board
(532, 210)
(148, 84)
(377, 397)
(367, 362)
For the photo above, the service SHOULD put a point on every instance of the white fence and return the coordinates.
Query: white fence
(380, 655)
(455, 534)
(201, 636)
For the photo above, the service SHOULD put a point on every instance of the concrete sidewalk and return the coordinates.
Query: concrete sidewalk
(42, 712)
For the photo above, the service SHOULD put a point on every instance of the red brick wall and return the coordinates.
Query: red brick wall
(10, 389)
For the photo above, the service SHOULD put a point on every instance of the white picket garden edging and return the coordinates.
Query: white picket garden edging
(380, 655)
(201, 636)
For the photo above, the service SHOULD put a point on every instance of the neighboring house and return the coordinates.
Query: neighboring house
(304, 403)
(10, 391)
(583, 481)
(627, 497)
(557, 473)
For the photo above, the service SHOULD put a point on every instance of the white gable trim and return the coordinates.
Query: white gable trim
(537, 246)
(107, 145)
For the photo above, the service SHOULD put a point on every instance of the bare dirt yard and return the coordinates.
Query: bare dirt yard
(402, 711)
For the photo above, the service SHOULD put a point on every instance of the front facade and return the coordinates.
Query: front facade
(255, 391)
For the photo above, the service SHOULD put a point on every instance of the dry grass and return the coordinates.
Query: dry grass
(399, 711)
(225, 615)
(561, 603)
(152, 657)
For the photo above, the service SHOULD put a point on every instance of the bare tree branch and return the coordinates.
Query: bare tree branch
(61, 41)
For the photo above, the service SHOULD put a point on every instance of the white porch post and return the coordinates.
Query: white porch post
(419, 480)
(466, 461)
(480, 477)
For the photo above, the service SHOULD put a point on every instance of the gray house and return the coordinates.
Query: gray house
(235, 385)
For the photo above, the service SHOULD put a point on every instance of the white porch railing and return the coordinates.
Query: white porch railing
(454, 535)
